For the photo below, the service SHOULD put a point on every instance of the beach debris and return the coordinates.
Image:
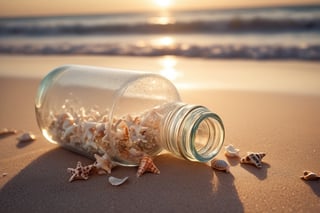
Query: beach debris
(103, 163)
(147, 165)
(308, 175)
(117, 181)
(80, 172)
(7, 132)
(231, 151)
(26, 137)
(254, 158)
(220, 165)
(4, 174)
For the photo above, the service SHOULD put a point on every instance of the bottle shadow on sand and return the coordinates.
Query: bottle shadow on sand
(182, 186)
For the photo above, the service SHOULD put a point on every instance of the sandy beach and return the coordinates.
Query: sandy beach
(266, 106)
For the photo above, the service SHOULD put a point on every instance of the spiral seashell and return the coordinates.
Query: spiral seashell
(253, 158)
(308, 175)
(147, 165)
(117, 181)
(220, 165)
(231, 152)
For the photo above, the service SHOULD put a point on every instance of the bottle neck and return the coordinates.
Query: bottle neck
(192, 132)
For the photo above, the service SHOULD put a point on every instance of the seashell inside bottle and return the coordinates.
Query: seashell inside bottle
(124, 115)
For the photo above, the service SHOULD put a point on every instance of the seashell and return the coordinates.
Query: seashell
(26, 137)
(117, 181)
(253, 158)
(69, 131)
(147, 165)
(220, 165)
(231, 152)
(80, 172)
(67, 122)
(103, 163)
(6, 132)
(308, 175)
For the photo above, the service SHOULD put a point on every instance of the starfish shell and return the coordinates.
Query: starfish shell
(253, 158)
(231, 152)
(147, 165)
(308, 175)
(103, 163)
(80, 172)
(220, 165)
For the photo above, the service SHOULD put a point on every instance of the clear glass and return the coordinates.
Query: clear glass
(125, 114)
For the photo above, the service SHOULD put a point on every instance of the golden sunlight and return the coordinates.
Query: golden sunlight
(168, 70)
(163, 3)
(166, 41)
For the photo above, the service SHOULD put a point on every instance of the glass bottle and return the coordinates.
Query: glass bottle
(124, 114)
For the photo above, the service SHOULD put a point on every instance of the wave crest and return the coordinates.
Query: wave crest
(311, 52)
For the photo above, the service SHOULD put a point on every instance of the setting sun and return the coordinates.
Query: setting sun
(163, 3)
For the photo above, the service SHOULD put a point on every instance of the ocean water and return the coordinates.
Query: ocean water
(261, 33)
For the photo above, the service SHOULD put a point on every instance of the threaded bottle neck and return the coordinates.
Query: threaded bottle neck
(192, 132)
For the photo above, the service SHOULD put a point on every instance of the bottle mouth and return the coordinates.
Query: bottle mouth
(194, 133)
(206, 136)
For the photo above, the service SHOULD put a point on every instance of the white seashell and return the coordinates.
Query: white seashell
(67, 123)
(69, 131)
(308, 175)
(26, 137)
(117, 181)
(220, 165)
(6, 132)
(231, 152)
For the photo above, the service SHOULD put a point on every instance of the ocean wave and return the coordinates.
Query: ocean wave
(264, 52)
(236, 24)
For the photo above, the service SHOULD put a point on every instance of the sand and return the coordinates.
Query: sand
(276, 112)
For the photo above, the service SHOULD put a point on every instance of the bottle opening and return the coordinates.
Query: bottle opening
(193, 132)
(207, 137)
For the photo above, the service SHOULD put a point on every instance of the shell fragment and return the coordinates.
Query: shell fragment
(117, 181)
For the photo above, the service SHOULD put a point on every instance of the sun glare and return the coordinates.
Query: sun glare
(163, 3)
(168, 64)
(163, 42)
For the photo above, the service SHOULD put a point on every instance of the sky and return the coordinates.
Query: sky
(69, 7)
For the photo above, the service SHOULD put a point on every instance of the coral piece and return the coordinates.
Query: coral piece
(231, 152)
(103, 163)
(253, 158)
(147, 165)
(117, 181)
(220, 165)
(80, 172)
(26, 137)
(308, 175)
